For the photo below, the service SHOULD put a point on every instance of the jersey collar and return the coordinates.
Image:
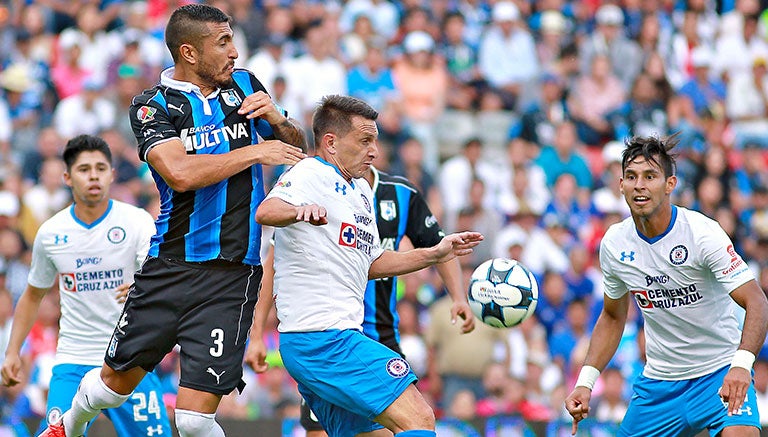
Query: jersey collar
(167, 80)
(375, 185)
(95, 222)
(666, 231)
(336, 169)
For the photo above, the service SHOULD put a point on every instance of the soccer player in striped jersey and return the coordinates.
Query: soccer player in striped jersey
(94, 247)
(687, 279)
(205, 131)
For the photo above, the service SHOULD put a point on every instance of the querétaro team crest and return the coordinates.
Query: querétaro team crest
(388, 210)
(231, 98)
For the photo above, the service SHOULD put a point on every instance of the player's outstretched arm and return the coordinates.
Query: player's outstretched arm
(450, 272)
(279, 213)
(603, 344)
(392, 263)
(23, 318)
(260, 104)
(736, 382)
(184, 172)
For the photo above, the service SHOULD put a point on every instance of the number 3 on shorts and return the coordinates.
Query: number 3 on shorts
(218, 342)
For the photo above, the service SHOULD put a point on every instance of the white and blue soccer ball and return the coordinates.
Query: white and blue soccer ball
(502, 292)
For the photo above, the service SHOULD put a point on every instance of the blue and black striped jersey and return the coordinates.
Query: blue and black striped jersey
(400, 211)
(216, 222)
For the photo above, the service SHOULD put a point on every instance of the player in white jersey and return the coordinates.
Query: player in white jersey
(683, 272)
(326, 249)
(94, 247)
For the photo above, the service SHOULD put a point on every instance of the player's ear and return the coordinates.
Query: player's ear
(329, 140)
(67, 178)
(671, 184)
(189, 53)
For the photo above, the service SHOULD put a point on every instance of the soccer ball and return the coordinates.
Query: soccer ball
(502, 292)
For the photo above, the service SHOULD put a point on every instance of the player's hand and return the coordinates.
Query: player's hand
(734, 389)
(276, 152)
(458, 244)
(11, 370)
(259, 104)
(122, 291)
(461, 309)
(256, 355)
(577, 404)
(313, 214)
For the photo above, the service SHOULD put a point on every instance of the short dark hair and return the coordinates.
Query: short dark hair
(334, 115)
(85, 143)
(187, 25)
(653, 149)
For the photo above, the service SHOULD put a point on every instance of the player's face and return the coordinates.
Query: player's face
(356, 151)
(645, 188)
(90, 178)
(217, 57)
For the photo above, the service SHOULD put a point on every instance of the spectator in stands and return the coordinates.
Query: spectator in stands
(507, 54)
(457, 361)
(746, 103)
(98, 47)
(570, 207)
(553, 32)
(270, 60)
(623, 54)
(411, 337)
(761, 387)
(736, 51)
(563, 157)
(422, 81)
(24, 107)
(644, 113)
(538, 122)
(50, 195)
(610, 405)
(88, 112)
(14, 256)
(704, 92)
(576, 329)
(608, 197)
(497, 398)
(593, 97)
(353, 44)
(581, 276)
(465, 81)
(456, 175)
(372, 80)
(477, 216)
(553, 303)
(524, 183)
(384, 15)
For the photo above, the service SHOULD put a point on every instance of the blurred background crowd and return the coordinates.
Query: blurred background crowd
(508, 115)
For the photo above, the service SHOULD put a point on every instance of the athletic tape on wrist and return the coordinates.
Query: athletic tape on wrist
(744, 359)
(587, 377)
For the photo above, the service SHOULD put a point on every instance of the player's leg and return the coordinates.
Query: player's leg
(309, 421)
(379, 376)
(145, 332)
(212, 336)
(62, 388)
(657, 408)
(144, 413)
(410, 411)
(708, 411)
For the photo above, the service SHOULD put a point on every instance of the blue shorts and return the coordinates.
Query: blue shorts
(143, 414)
(684, 408)
(346, 378)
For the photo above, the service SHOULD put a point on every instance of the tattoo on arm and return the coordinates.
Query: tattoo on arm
(290, 132)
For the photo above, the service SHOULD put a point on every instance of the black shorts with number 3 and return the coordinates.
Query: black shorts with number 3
(207, 308)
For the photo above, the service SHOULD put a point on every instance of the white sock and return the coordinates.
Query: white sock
(194, 424)
(92, 396)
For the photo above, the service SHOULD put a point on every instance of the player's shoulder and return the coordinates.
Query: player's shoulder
(58, 221)
(618, 233)
(390, 179)
(154, 95)
(127, 209)
(694, 219)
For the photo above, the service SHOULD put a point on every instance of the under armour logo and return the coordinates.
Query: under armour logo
(630, 256)
(152, 430)
(218, 376)
(179, 108)
(60, 239)
(341, 189)
(122, 323)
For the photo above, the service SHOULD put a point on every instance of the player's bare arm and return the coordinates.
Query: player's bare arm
(256, 352)
(737, 380)
(260, 104)
(450, 272)
(603, 344)
(24, 317)
(392, 263)
(184, 172)
(279, 213)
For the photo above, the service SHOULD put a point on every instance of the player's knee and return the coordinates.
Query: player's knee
(98, 395)
(194, 424)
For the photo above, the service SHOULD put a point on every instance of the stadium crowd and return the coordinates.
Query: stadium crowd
(508, 115)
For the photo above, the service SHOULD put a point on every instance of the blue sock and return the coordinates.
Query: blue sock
(417, 433)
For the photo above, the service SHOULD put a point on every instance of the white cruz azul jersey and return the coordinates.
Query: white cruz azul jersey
(321, 271)
(681, 281)
(91, 261)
